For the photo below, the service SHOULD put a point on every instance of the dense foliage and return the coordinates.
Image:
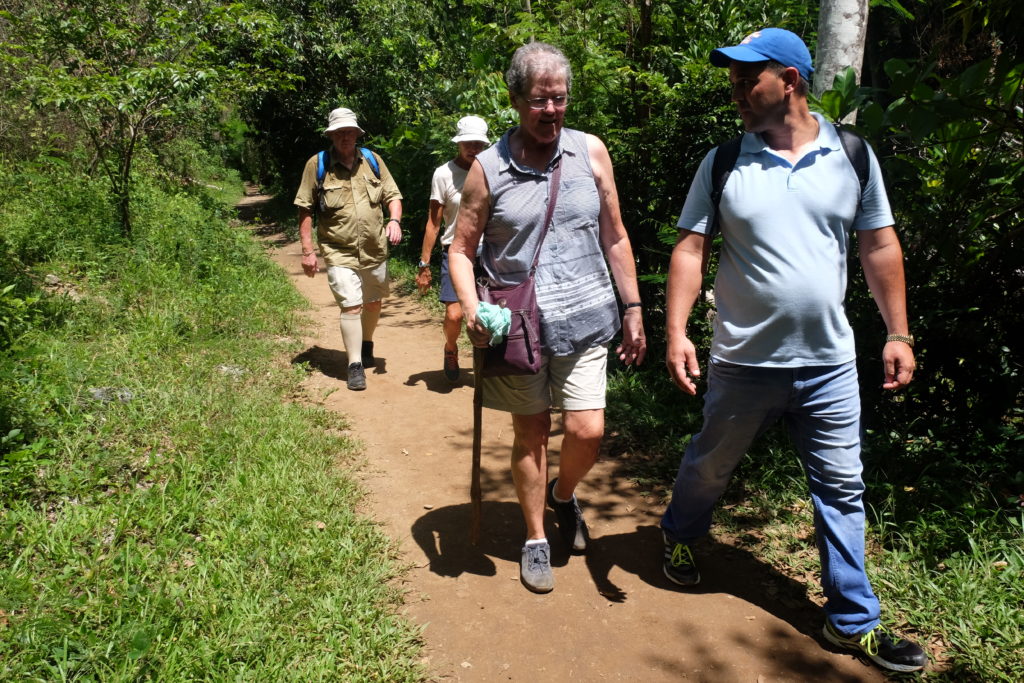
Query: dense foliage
(97, 90)
(944, 115)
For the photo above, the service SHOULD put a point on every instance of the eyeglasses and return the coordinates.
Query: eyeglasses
(538, 103)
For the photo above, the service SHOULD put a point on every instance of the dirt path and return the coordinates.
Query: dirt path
(612, 615)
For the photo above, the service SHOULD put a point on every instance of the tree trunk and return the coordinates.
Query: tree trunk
(842, 25)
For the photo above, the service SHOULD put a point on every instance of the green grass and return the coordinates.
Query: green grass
(189, 523)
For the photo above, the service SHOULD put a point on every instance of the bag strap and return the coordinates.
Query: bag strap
(726, 155)
(321, 172)
(857, 153)
(368, 155)
(555, 179)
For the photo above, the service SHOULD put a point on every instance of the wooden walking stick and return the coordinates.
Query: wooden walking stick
(474, 482)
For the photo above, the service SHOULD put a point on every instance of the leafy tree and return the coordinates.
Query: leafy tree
(950, 133)
(126, 71)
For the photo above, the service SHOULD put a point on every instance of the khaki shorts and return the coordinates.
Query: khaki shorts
(353, 287)
(575, 382)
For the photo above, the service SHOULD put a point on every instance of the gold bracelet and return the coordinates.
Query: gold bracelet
(907, 339)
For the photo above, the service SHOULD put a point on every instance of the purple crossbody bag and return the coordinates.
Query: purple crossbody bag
(519, 353)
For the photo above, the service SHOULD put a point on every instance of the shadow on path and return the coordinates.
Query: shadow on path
(334, 363)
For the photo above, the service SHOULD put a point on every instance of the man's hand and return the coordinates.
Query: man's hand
(899, 365)
(393, 230)
(423, 279)
(309, 264)
(681, 359)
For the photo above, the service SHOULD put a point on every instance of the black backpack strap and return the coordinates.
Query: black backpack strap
(857, 152)
(726, 155)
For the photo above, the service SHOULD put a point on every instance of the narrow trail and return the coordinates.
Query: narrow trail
(612, 615)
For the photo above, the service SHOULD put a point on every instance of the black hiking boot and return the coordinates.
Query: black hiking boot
(367, 353)
(571, 526)
(356, 377)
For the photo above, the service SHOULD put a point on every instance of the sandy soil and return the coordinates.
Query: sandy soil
(612, 615)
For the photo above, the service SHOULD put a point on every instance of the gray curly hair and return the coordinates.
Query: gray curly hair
(533, 59)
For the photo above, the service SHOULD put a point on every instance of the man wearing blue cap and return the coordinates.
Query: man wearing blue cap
(782, 345)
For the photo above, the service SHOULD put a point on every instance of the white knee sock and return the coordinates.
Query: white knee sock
(352, 336)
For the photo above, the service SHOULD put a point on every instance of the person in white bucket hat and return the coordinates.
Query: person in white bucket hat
(445, 197)
(346, 188)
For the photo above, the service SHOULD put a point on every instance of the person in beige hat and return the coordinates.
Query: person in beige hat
(346, 188)
(445, 197)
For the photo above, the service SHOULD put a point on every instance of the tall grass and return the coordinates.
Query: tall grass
(166, 513)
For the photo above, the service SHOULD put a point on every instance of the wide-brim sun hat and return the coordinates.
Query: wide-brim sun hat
(471, 129)
(342, 117)
(785, 47)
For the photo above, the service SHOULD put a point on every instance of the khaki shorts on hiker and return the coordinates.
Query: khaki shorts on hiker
(353, 287)
(575, 382)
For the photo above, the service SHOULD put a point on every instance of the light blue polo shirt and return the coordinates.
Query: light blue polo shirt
(781, 277)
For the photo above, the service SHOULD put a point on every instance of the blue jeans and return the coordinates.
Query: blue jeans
(821, 408)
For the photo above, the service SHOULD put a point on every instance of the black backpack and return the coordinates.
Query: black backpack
(725, 160)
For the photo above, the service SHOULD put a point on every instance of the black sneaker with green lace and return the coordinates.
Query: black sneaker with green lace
(881, 647)
(679, 565)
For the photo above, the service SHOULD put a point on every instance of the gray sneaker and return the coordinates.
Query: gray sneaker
(535, 568)
(356, 377)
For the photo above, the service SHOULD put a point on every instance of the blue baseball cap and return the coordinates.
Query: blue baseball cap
(785, 47)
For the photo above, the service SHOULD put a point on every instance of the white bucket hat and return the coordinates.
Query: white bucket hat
(472, 129)
(342, 118)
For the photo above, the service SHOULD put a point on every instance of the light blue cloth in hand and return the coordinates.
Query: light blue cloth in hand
(496, 319)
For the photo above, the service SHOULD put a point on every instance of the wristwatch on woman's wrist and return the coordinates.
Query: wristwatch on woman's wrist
(423, 264)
